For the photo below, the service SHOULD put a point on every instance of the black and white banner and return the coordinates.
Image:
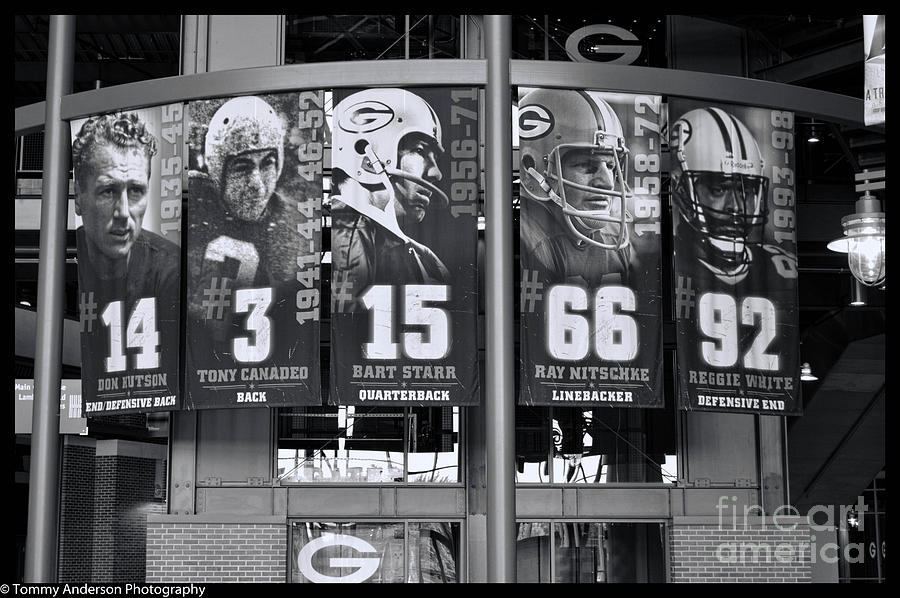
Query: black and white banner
(591, 330)
(735, 303)
(127, 169)
(875, 96)
(253, 250)
(404, 205)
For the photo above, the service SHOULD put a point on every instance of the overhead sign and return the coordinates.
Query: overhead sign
(875, 98)
(590, 304)
(404, 205)
(127, 168)
(735, 303)
(71, 420)
(254, 239)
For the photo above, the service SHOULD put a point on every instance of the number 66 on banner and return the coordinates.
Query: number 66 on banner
(568, 334)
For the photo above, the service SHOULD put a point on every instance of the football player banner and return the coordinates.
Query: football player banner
(405, 172)
(735, 300)
(127, 167)
(254, 238)
(589, 231)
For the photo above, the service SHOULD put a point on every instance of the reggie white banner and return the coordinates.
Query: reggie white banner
(735, 247)
(253, 250)
(403, 244)
(127, 169)
(589, 243)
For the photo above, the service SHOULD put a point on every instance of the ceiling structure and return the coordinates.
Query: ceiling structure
(823, 52)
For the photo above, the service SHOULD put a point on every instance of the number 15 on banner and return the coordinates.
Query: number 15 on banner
(431, 341)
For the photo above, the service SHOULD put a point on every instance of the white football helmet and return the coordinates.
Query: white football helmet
(553, 122)
(719, 186)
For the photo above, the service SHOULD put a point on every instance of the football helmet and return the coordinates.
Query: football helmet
(369, 126)
(553, 122)
(242, 125)
(719, 186)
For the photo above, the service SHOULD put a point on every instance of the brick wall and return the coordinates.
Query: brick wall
(216, 552)
(743, 553)
(76, 516)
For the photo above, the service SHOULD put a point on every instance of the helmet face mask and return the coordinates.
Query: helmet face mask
(719, 186)
(592, 207)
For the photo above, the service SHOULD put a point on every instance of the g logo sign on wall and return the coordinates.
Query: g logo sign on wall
(366, 117)
(367, 565)
(625, 53)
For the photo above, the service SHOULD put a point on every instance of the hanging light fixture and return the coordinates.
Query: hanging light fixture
(813, 137)
(806, 373)
(863, 239)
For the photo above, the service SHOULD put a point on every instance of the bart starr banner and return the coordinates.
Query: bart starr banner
(127, 169)
(591, 329)
(735, 302)
(403, 247)
(253, 250)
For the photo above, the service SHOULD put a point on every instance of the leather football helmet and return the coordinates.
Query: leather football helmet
(553, 122)
(719, 186)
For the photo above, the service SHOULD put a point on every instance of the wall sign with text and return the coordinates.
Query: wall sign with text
(404, 205)
(253, 250)
(590, 213)
(734, 221)
(128, 169)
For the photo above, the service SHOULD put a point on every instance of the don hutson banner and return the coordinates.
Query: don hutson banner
(127, 168)
(403, 246)
(253, 250)
(590, 214)
(735, 300)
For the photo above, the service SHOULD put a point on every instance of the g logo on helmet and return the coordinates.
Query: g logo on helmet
(681, 133)
(366, 117)
(535, 121)
(367, 565)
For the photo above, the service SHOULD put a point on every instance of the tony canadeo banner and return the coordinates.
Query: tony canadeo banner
(591, 330)
(253, 250)
(404, 205)
(735, 303)
(127, 169)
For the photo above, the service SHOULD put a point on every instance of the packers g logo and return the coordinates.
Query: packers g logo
(681, 134)
(365, 117)
(367, 565)
(535, 121)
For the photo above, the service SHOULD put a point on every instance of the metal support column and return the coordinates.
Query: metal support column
(499, 384)
(43, 495)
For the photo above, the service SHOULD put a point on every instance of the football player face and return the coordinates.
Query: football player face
(249, 181)
(587, 167)
(417, 155)
(726, 202)
(112, 198)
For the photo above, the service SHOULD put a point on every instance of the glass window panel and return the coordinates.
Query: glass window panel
(533, 552)
(579, 555)
(532, 444)
(434, 445)
(347, 552)
(341, 444)
(433, 552)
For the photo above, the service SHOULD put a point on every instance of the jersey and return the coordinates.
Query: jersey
(153, 272)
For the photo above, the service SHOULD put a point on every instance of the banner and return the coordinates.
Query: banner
(875, 98)
(591, 320)
(405, 184)
(735, 303)
(128, 196)
(253, 250)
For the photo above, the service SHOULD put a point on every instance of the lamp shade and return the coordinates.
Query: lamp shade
(863, 242)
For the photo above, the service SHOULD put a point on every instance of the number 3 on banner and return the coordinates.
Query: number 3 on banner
(718, 321)
(257, 322)
(140, 333)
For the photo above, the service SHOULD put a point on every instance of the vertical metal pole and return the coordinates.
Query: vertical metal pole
(43, 497)
(406, 41)
(500, 387)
